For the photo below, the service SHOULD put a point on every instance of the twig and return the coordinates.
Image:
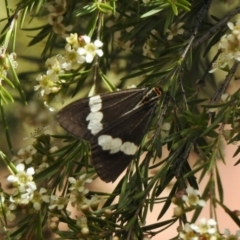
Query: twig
(216, 27)
(217, 96)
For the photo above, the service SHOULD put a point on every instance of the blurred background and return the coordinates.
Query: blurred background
(24, 120)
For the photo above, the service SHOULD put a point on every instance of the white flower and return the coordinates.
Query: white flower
(73, 40)
(83, 40)
(21, 197)
(205, 226)
(58, 202)
(77, 199)
(90, 50)
(54, 66)
(175, 30)
(188, 233)
(48, 84)
(12, 58)
(42, 167)
(57, 25)
(231, 236)
(235, 27)
(192, 197)
(72, 57)
(23, 179)
(56, 8)
(25, 154)
(39, 197)
(26, 197)
(230, 43)
(79, 50)
(79, 185)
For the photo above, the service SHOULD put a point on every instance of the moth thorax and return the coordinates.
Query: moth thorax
(151, 95)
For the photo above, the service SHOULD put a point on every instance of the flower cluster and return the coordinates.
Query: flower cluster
(150, 46)
(6, 60)
(229, 46)
(26, 193)
(58, 202)
(78, 191)
(56, 10)
(82, 223)
(25, 155)
(77, 197)
(41, 159)
(26, 189)
(191, 197)
(206, 230)
(229, 236)
(174, 30)
(78, 50)
(6, 209)
(186, 201)
(23, 181)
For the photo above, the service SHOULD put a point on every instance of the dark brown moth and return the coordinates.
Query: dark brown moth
(114, 124)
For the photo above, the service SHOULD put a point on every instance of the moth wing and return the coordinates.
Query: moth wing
(129, 128)
(73, 117)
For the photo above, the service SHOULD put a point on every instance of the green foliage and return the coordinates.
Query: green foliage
(138, 48)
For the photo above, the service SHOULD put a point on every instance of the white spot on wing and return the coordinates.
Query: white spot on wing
(95, 127)
(95, 103)
(115, 145)
(95, 116)
(104, 140)
(129, 148)
(110, 144)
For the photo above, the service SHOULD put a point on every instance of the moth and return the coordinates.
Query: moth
(114, 124)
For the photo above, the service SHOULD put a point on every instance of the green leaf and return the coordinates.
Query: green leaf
(159, 224)
(5, 95)
(219, 184)
(168, 201)
(45, 30)
(5, 125)
(86, 9)
(155, 10)
(109, 85)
